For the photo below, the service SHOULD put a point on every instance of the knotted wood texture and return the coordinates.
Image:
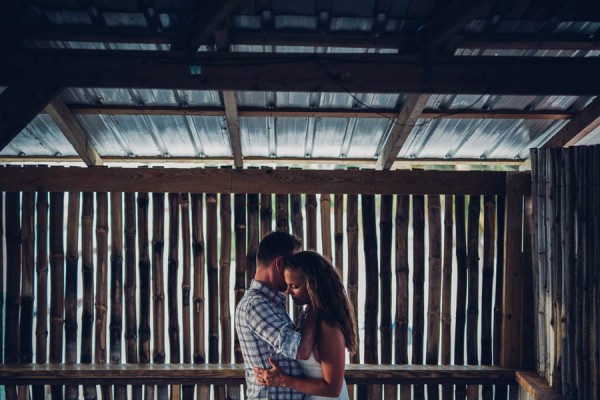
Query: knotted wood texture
(412, 268)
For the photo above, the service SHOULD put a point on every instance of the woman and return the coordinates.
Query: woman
(312, 281)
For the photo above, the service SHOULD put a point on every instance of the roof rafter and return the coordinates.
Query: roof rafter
(403, 126)
(233, 126)
(369, 73)
(19, 104)
(579, 127)
(209, 15)
(66, 121)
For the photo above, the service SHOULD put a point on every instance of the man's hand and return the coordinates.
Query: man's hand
(270, 377)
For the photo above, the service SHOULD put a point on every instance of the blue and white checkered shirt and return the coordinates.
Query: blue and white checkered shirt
(265, 329)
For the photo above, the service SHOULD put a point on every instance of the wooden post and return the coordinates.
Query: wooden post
(240, 275)
(461, 289)
(385, 278)
(497, 338)
(266, 215)
(72, 392)
(402, 269)
(199, 286)
(352, 232)
(224, 273)
(172, 286)
(158, 287)
(87, 280)
(116, 284)
(186, 287)
(326, 226)
(418, 284)
(297, 219)
(510, 353)
(41, 321)
(2, 284)
(435, 286)
(57, 284)
(213, 279)
(473, 278)
(311, 222)
(372, 287)
(338, 235)
(253, 237)
(281, 213)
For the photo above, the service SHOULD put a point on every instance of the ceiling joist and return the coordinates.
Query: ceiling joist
(70, 127)
(578, 127)
(371, 73)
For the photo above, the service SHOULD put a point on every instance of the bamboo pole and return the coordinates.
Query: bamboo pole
(145, 286)
(158, 290)
(338, 235)
(497, 334)
(461, 289)
(550, 270)
(402, 269)
(87, 281)
(582, 344)
(326, 226)
(385, 276)
(281, 213)
(130, 289)
(266, 215)
(57, 284)
(418, 284)
(172, 285)
(28, 268)
(557, 269)
(311, 222)
(116, 284)
(527, 330)
(595, 369)
(186, 287)
(2, 327)
(543, 258)
(212, 275)
(435, 286)
(352, 233)
(487, 278)
(198, 296)
(101, 282)
(13, 291)
(224, 274)
(253, 237)
(72, 392)
(473, 278)
(372, 287)
(447, 290)
(240, 275)
(41, 321)
(297, 219)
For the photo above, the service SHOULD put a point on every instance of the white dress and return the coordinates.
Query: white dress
(312, 369)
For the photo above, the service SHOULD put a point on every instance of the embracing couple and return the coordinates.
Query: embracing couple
(305, 359)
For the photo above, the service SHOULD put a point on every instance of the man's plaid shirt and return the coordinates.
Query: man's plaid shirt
(265, 329)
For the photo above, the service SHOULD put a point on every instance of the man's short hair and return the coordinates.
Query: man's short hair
(277, 244)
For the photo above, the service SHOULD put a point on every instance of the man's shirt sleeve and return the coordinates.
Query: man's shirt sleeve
(274, 328)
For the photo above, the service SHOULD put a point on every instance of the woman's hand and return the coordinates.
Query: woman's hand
(270, 377)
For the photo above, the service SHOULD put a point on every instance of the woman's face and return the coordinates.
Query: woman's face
(296, 286)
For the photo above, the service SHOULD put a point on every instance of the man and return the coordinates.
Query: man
(263, 325)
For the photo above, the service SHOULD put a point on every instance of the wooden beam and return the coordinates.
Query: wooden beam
(280, 181)
(578, 127)
(70, 127)
(366, 73)
(65, 374)
(19, 104)
(402, 128)
(203, 23)
(536, 387)
(292, 112)
(233, 126)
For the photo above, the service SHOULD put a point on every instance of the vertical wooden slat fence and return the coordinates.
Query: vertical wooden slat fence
(424, 328)
(565, 215)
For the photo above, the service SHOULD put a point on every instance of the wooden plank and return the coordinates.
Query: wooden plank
(402, 286)
(418, 285)
(71, 286)
(435, 287)
(233, 126)
(73, 131)
(473, 308)
(352, 235)
(27, 277)
(158, 286)
(234, 374)
(581, 125)
(202, 24)
(116, 284)
(13, 275)
(212, 268)
(31, 178)
(173, 281)
(403, 126)
(311, 222)
(448, 247)
(536, 387)
(19, 104)
(224, 287)
(364, 73)
(186, 287)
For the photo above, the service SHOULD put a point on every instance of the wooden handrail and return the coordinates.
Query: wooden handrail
(222, 374)
(536, 386)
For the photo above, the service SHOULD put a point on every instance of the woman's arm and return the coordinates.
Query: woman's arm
(331, 346)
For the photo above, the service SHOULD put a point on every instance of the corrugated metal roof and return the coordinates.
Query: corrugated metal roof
(41, 137)
(139, 97)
